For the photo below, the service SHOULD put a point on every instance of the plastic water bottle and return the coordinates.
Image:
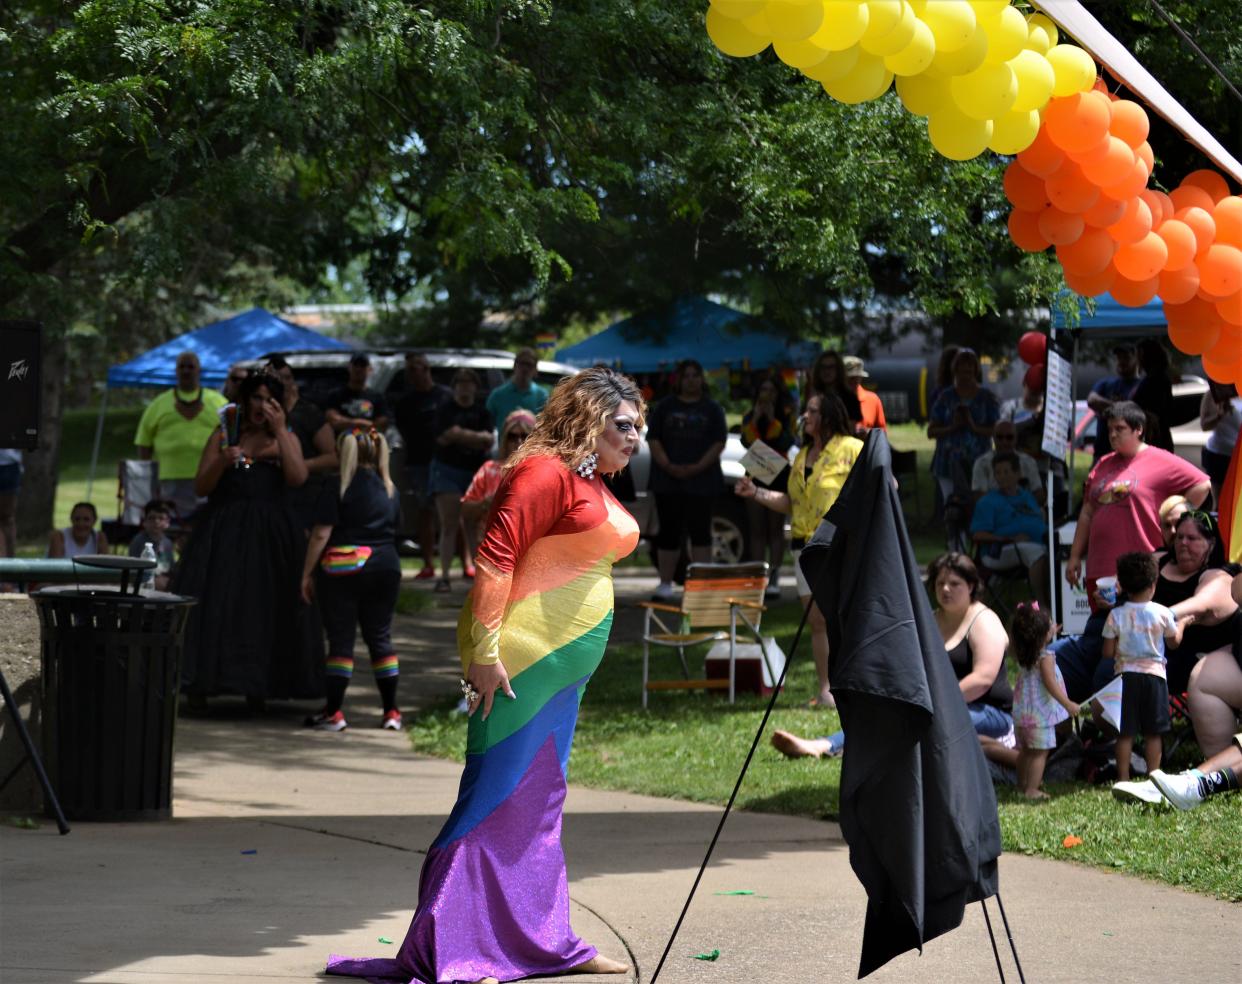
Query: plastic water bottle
(148, 576)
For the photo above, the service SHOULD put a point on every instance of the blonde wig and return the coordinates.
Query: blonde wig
(363, 449)
(577, 413)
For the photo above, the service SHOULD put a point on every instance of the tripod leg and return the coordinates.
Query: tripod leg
(32, 753)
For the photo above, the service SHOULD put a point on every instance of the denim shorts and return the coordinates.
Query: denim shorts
(447, 479)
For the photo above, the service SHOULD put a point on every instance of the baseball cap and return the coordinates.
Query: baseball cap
(854, 366)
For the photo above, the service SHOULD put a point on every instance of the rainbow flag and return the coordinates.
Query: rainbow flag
(1229, 509)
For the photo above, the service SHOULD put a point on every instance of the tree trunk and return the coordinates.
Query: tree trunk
(37, 499)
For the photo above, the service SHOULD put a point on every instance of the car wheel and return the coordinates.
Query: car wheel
(729, 532)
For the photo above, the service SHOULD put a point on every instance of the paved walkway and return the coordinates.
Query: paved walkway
(289, 845)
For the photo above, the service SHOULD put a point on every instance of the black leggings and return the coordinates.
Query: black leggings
(682, 514)
(365, 599)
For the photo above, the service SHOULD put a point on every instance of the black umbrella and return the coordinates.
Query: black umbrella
(917, 806)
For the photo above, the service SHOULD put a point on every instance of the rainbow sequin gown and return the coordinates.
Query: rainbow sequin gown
(493, 894)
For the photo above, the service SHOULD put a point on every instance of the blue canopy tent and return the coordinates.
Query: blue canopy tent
(217, 345)
(690, 328)
(1113, 319)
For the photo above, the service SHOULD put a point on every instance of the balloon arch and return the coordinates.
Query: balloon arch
(988, 77)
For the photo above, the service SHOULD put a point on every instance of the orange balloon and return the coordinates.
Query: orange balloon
(1043, 156)
(1128, 121)
(1070, 190)
(1210, 181)
(1143, 259)
(1180, 239)
(1220, 271)
(1221, 372)
(1025, 233)
(1112, 161)
(1023, 189)
(1079, 122)
(1145, 154)
(1130, 185)
(1231, 309)
(1179, 286)
(1104, 212)
(1186, 196)
(1134, 224)
(1058, 227)
(1158, 202)
(1225, 357)
(1090, 285)
(1194, 338)
(1192, 312)
(1201, 224)
(1089, 253)
(1134, 293)
(1228, 218)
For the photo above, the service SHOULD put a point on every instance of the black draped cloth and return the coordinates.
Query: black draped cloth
(917, 806)
(250, 632)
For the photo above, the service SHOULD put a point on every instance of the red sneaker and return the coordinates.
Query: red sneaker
(392, 720)
(425, 573)
(328, 722)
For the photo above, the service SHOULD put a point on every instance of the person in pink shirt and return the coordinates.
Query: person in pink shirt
(1121, 505)
(476, 503)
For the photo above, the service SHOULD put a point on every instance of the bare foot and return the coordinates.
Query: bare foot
(824, 702)
(600, 964)
(487, 980)
(794, 747)
(1035, 794)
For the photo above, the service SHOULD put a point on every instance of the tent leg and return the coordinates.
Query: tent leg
(90, 476)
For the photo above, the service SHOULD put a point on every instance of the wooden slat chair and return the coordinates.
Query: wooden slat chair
(718, 598)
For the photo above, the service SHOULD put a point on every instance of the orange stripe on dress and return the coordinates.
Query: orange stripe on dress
(726, 584)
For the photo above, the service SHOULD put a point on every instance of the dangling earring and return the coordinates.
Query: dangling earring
(587, 468)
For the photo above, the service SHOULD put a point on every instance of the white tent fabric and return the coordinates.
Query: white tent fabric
(1078, 23)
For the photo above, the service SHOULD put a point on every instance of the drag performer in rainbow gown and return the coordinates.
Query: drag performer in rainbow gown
(493, 895)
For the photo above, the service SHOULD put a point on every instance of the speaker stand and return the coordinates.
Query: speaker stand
(31, 756)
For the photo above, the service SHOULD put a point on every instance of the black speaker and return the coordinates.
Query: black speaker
(21, 372)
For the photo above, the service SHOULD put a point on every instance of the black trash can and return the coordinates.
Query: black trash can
(111, 670)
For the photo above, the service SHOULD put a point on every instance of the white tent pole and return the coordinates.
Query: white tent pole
(99, 422)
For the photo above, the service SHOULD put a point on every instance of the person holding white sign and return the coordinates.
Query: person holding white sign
(769, 422)
(828, 452)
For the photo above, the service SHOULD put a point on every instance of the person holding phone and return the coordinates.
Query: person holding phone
(243, 562)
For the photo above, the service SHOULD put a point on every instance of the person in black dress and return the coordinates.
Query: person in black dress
(352, 565)
(243, 561)
(315, 437)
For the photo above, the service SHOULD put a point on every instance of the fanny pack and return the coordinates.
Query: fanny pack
(344, 559)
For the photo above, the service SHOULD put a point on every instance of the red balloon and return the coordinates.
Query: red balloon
(1033, 379)
(1033, 348)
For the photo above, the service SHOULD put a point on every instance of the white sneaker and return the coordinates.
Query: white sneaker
(663, 592)
(1141, 792)
(1182, 790)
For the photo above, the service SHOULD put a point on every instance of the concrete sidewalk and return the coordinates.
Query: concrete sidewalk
(289, 845)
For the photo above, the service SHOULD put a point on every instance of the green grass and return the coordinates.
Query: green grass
(690, 745)
(77, 439)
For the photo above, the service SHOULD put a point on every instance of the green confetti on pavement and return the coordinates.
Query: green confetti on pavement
(707, 956)
(737, 891)
(384, 939)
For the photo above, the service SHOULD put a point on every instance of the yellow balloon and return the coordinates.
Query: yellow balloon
(844, 23)
(837, 65)
(1035, 81)
(947, 64)
(952, 23)
(1037, 40)
(957, 136)
(793, 20)
(757, 24)
(868, 80)
(1007, 35)
(882, 17)
(1014, 132)
(914, 58)
(894, 40)
(986, 93)
(1073, 68)
(1045, 22)
(922, 94)
(989, 8)
(799, 54)
(737, 9)
(732, 36)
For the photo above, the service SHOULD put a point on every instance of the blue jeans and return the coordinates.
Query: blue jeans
(1078, 659)
(987, 720)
